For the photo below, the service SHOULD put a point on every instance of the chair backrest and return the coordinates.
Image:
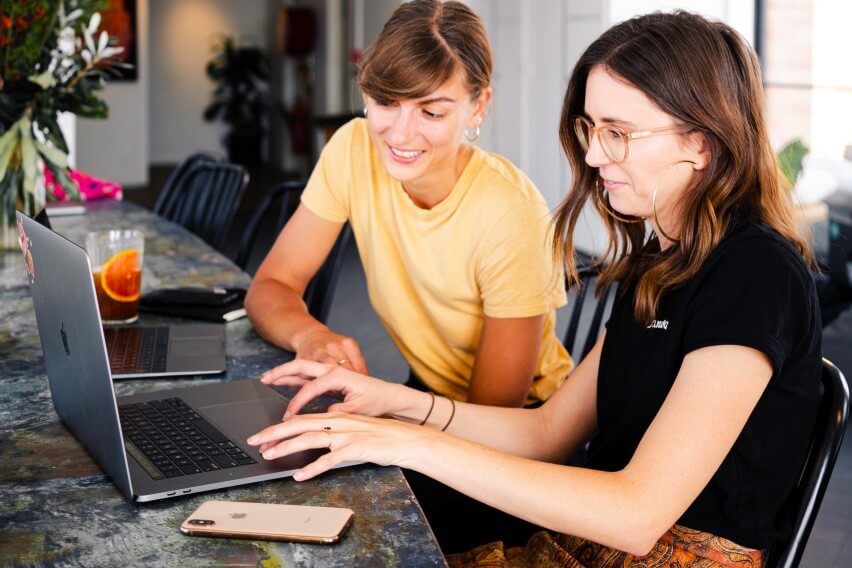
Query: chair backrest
(281, 202)
(840, 249)
(825, 443)
(320, 290)
(208, 200)
(587, 309)
(168, 199)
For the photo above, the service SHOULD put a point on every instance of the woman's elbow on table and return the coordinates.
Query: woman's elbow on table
(262, 296)
(254, 302)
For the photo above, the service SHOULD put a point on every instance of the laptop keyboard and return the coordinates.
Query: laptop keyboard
(175, 440)
(137, 349)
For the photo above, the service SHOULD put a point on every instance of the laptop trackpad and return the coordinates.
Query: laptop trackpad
(192, 344)
(239, 420)
(244, 418)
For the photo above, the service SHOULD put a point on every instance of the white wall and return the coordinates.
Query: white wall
(736, 13)
(182, 32)
(368, 18)
(330, 96)
(535, 47)
(117, 148)
(831, 121)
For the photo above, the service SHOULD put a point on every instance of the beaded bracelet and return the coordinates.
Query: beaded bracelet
(431, 407)
(452, 414)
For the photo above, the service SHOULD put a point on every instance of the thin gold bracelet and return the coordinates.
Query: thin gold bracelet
(452, 414)
(431, 407)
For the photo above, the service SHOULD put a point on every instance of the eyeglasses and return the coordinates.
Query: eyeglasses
(614, 141)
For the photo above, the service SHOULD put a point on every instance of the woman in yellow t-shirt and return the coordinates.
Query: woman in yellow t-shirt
(451, 237)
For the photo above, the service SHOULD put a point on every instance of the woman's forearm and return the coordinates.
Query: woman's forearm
(600, 506)
(551, 432)
(278, 313)
(518, 431)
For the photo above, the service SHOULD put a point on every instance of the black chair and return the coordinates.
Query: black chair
(168, 198)
(278, 206)
(839, 251)
(584, 304)
(281, 201)
(207, 200)
(825, 444)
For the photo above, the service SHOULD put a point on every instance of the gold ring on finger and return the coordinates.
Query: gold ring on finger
(327, 430)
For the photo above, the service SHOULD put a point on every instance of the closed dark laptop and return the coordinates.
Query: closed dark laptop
(155, 445)
(137, 352)
(162, 351)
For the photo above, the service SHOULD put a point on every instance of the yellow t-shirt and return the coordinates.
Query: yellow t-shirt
(432, 275)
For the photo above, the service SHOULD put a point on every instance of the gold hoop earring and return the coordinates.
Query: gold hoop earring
(475, 136)
(654, 200)
(604, 205)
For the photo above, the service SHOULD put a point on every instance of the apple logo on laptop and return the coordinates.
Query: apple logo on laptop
(64, 339)
(238, 515)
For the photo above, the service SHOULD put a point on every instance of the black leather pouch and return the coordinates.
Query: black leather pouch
(208, 304)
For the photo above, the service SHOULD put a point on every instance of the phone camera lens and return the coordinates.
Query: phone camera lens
(200, 522)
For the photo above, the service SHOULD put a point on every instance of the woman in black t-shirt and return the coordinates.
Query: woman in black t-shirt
(700, 397)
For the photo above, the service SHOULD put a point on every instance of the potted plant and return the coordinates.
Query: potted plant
(240, 99)
(52, 60)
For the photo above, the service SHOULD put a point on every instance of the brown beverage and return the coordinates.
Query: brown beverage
(124, 305)
(116, 257)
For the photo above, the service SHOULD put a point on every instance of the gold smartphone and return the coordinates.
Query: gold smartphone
(268, 521)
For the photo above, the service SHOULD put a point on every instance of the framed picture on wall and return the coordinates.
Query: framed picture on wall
(119, 20)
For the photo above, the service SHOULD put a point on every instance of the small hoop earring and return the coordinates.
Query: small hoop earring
(365, 112)
(604, 205)
(476, 133)
(654, 200)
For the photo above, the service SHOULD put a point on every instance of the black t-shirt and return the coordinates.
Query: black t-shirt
(753, 290)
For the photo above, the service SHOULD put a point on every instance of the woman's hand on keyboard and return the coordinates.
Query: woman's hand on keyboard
(361, 394)
(349, 438)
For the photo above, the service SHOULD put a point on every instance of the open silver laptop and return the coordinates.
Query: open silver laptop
(155, 445)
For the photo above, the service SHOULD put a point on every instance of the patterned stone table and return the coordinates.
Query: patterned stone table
(58, 508)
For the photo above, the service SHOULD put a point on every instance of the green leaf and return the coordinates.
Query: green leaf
(9, 191)
(29, 161)
(53, 133)
(51, 154)
(8, 143)
(790, 159)
(45, 80)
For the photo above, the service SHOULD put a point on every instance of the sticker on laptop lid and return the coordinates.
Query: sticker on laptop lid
(26, 248)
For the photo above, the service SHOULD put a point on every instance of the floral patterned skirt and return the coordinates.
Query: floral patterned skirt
(680, 546)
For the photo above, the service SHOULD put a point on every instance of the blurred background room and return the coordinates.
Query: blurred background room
(264, 83)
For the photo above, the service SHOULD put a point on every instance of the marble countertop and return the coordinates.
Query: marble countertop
(58, 508)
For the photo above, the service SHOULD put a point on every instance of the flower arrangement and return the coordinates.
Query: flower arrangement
(52, 59)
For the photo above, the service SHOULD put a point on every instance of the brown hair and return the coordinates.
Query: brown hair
(422, 45)
(704, 75)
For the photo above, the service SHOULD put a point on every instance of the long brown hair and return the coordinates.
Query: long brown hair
(706, 76)
(422, 45)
